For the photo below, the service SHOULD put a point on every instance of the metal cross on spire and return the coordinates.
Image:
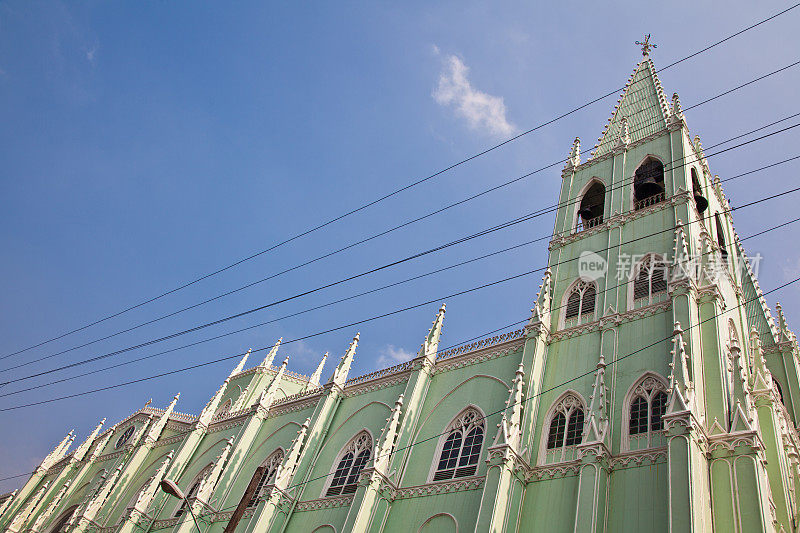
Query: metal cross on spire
(646, 45)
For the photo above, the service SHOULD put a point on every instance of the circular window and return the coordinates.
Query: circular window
(124, 437)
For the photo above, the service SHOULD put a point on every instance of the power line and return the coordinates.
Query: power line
(376, 317)
(498, 227)
(531, 215)
(481, 336)
(395, 192)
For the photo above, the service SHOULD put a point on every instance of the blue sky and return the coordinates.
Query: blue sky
(143, 145)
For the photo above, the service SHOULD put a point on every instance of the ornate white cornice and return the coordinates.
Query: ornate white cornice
(323, 503)
(441, 487)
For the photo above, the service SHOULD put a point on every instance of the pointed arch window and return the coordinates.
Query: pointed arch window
(266, 473)
(648, 183)
(648, 403)
(723, 250)
(125, 437)
(192, 492)
(590, 212)
(565, 429)
(352, 460)
(461, 446)
(580, 305)
(700, 201)
(224, 409)
(64, 520)
(650, 283)
(779, 389)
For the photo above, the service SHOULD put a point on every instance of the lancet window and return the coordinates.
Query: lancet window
(352, 460)
(700, 201)
(780, 390)
(650, 282)
(125, 437)
(723, 250)
(192, 492)
(461, 446)
(61, 525)
(266, 473)
(565, 429)
(647, 405)
(580, 304)
(648, 183)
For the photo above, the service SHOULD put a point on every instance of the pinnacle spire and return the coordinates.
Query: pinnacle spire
(208, 484)
(541, 309)
(24, 514)
(388, 438)
(58, 452)
(286, 469)
(52, 506)
(680, 386)
(741, 390)
(340, 374)
(782, 326)
(510, 427)
(81, 450)
(155, 430)
(574, 158)
(761, 377)
(677, 110)
(149, 491)
(268, 396)
(430, 346)
(314, 380)
(270, 357)
(597, 423)
(238, 368)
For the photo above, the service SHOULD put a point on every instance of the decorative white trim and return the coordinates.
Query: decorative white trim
(441, 487)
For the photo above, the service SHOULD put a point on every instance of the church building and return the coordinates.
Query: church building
(652, 389)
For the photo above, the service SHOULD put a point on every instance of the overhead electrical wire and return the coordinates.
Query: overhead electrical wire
(504, 225)
(534, 214)
(395, 192)
(383, 315)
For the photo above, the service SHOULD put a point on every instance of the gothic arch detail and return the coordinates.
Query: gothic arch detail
(644, 405)
(193, 488)
(343, 478)
(579, 303)
(648, 281)
(563, 428)
(460, 446)
(266, 474)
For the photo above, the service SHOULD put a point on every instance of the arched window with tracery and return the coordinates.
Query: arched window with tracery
(351, 461)
(723, 250)
(125, 437)
(650, 281)
(564, 430)
(225, 408)
(779, 389)
(266, 475)
(647, 403)
(192, 492)
(461, 446)
(648, 183)
(60, 526)
(700, 201)
(580, 305)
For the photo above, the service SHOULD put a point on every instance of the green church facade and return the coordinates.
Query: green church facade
(651, 390)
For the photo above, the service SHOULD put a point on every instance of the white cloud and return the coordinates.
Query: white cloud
(91, 54)
(392, 355)
(482, 111)
(791, 269)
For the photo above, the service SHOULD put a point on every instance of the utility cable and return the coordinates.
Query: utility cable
(395, 192)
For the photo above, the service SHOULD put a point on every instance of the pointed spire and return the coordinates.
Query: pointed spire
(340, 374)
(541, 309)
(267, 362)
(386, 446)
(677, 111)
(211, 407)
(99, 499)
(80, 451)
(681, 262)
(680, 386)
(7, 503)
(624, 134)
(597, 423)
(741, 389)
(208, 484)
(510, 427)
(741, 422)
(761, 377)
(314, 380)
(782, 326)
(268, 396)
(574, 158)
(52, 506)
(430, 347)
(149, 491)
(155, 430)
(58, 452)
(24, 515)
(286, 469)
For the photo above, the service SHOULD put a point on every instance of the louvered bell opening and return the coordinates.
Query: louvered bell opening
(589, 297)
(659, 281)
(573, 305)
(443, 474)
(640, 286)
(466, 471)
